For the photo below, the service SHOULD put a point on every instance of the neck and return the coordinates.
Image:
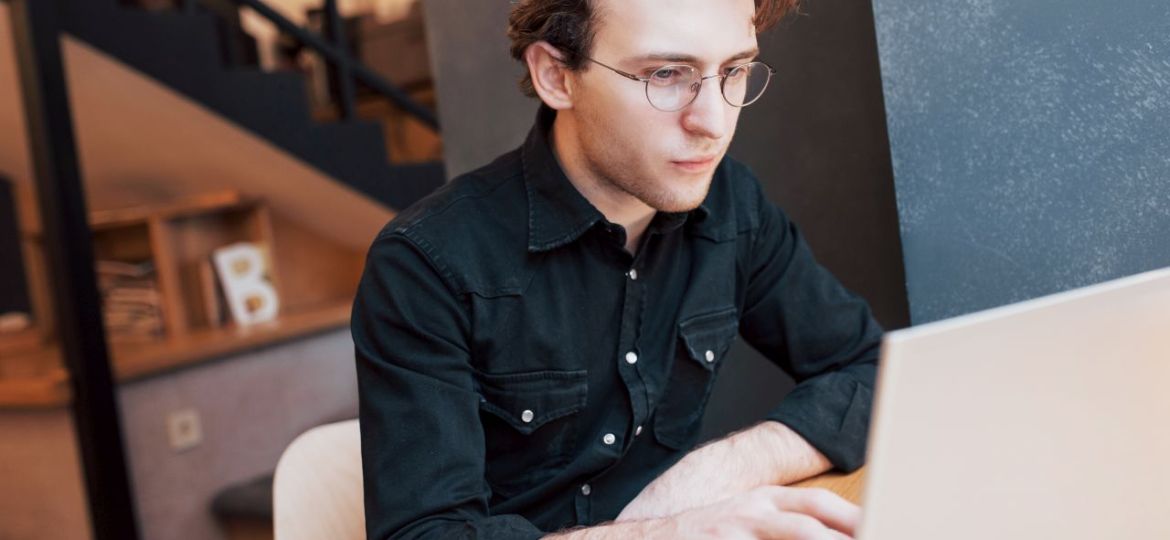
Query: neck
(614, 203)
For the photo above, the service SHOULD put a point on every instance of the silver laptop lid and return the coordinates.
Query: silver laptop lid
(1045, 419)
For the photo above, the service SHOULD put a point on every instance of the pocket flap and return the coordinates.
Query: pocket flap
(527, 401)
(708, 337)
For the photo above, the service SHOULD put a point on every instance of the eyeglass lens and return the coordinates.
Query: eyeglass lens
(671, 88)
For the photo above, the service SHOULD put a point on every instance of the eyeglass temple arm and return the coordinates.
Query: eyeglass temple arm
(629, 76)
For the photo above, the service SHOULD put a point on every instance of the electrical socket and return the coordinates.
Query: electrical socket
(184, 429)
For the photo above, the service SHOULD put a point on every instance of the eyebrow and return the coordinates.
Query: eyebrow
(691, 59)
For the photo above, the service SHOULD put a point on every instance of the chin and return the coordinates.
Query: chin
(677, 202)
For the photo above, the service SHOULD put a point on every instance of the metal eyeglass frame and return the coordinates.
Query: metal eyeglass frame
(722, 76)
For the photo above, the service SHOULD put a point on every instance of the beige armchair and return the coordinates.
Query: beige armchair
(317, 491)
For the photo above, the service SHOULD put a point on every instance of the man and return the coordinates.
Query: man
(537, 340)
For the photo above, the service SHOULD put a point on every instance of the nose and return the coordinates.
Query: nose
(706, 116)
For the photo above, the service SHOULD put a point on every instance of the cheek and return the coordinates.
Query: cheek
(733, 121)
(639, 137)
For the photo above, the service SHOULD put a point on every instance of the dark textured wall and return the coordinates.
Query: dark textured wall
(817, 142)
(1030, 142)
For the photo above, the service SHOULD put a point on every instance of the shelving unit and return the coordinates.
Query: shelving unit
(315, 279)
(178, 240)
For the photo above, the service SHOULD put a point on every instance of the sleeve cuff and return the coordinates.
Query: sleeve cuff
(502, 527)
(506, 527)
(831, 412)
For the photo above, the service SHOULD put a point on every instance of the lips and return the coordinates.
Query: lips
(695, 164)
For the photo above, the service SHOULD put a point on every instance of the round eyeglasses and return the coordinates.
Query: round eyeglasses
(671, 88)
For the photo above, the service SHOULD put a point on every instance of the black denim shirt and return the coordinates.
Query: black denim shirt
(519, 371)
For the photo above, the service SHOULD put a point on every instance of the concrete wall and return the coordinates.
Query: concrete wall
(251, 406)
(1031, 145)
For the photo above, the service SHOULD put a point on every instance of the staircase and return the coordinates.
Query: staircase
(181, 50)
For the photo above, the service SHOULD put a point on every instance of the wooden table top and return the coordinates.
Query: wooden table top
(848, 486)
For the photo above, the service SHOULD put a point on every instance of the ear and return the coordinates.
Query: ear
(550, 77)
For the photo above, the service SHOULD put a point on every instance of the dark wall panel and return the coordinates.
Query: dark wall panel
(1030, 142)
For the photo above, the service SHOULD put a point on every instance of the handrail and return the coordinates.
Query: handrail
(345, 62)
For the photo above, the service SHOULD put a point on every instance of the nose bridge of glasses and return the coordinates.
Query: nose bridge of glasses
(696, 85)
(717, 97)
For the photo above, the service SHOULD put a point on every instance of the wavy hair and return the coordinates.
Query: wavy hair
(569, 25)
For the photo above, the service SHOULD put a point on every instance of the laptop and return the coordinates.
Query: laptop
(1047, 419)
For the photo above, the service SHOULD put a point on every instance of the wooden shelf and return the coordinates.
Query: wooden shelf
(34, 379)
(134, 361)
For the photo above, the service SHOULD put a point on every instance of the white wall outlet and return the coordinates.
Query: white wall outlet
(184, 429)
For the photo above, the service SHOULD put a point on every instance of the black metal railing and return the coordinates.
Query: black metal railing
(346, 71)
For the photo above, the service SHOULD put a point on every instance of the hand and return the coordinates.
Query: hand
(766, 454)
(772, 513)
(763, 513)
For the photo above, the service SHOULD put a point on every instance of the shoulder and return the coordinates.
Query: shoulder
(471, 228)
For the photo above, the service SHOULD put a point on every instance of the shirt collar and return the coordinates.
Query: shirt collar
(557, 213)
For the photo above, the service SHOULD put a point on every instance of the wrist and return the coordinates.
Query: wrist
(649, 529)
(790, 458)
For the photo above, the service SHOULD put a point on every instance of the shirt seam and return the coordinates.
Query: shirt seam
(430, 213)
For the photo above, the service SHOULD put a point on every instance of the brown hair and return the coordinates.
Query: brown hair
(569, 25)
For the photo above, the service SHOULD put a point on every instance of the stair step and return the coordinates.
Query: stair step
(278, 100)
(357, 137)
(180, 48)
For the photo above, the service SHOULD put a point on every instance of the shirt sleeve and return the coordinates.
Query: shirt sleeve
(422, 440)
(800, 317)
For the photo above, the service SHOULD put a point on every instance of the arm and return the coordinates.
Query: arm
(802, 319)
(773, 512)
(766, 454)
(422, 440)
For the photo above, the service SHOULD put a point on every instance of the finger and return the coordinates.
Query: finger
(798, 526)
(837, 535)
(822, 504)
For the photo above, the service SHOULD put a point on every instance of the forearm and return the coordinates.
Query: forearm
(766, 454)
(780, 456)
(646, 529)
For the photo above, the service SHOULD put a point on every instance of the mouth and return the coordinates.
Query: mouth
(695, 164)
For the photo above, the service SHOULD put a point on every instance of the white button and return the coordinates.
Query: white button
(586, 490)
(631, 357)
(710, 356)
(637, 431)
(633, 274)
(526, 416)
(609, 439)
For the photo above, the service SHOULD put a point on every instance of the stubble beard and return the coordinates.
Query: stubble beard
(612, 173)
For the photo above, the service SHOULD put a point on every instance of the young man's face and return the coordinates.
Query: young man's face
(665, 159)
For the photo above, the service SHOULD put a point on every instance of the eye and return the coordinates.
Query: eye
(736, 72)
(667, 76)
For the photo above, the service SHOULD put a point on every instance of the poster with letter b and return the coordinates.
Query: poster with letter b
(243, 274)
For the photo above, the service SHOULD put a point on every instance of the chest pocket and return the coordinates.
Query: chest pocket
(703, 344)
(530, 425)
